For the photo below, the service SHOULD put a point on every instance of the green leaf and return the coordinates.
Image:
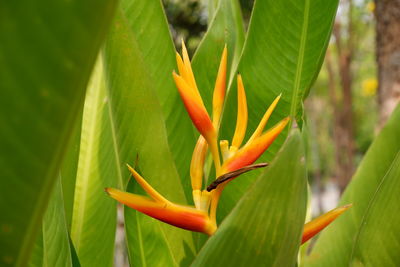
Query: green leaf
(378, 241)
(94, 214)
(56, 249)
(140, 133)
(369, 230)
(283, 53)
(149, 27)
(37, 252)
(265, 227)
(46, 54)
(52, 247)
(69, 169)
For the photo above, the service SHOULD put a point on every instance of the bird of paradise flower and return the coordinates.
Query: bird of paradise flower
(236, 158)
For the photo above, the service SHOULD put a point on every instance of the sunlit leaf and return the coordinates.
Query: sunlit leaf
(94, 215)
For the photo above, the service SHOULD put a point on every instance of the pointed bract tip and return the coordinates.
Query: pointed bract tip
(317, 225)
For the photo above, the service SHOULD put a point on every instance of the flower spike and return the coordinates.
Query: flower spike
(317, 225)
(241, 122)
(219, 89)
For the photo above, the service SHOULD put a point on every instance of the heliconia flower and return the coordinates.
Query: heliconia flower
(161, 209)
(317, 225)
(237, 159)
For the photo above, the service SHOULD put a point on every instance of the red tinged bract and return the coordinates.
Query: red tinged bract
(184, 217)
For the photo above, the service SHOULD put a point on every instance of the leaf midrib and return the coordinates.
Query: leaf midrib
(300, 60)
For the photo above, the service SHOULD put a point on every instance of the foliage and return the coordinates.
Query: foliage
(61, 147)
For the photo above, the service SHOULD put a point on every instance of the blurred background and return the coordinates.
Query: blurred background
(348, 104)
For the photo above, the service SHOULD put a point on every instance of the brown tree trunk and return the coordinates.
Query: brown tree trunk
(388, 56)
(342, 118)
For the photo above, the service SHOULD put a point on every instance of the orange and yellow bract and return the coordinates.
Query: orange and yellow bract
(202, 217)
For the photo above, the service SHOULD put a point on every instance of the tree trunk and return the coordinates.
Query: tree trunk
(388, 56)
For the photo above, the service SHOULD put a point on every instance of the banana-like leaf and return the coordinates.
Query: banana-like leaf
(226, 27)
(149, 27)
(265, 227)
(94, 214)
(140, 133)
(47, 50)
(283, 53)
(367, 234)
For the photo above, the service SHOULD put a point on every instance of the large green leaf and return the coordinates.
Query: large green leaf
(46, 54)
(140, 133)
(94, 214)
(283, 53)
(265, 227)
(370, 228)
(149, 27)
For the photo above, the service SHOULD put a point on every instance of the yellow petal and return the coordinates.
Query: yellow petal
(180, 216)
(219, 89)
(197, 163)
(251, 152)
(181, 68)
(147, 187)
(264, 120)
(315, 226)
(188, 66)
(241, 122)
